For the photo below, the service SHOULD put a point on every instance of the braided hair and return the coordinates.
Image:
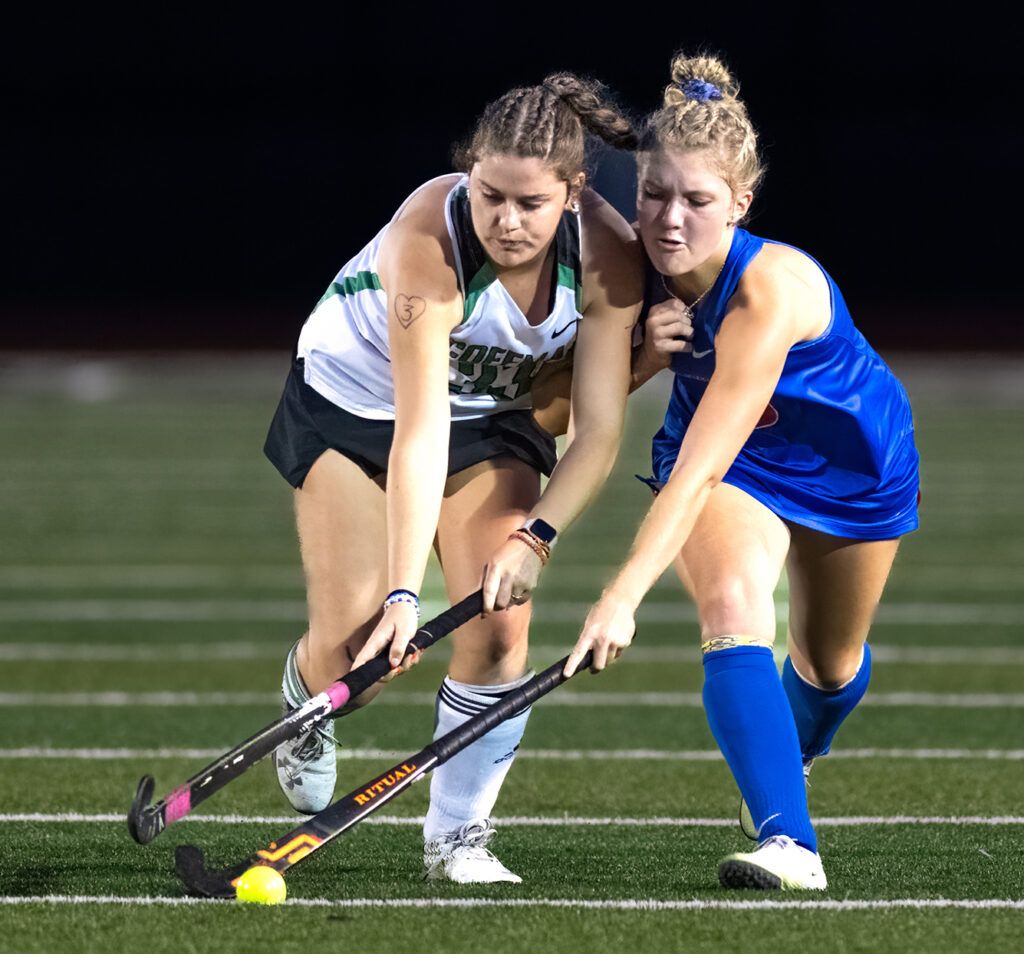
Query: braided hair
(548, 122)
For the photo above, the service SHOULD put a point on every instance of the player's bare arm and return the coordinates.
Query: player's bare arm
(417, 273)
(751, 349)
(612, 293)
(600, 379)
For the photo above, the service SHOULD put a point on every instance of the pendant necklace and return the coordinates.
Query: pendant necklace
(691, 308)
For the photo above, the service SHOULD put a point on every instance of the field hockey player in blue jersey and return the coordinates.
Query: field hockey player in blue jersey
(787, 443)
(407, 423)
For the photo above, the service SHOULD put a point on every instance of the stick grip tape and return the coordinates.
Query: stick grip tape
(359, 680)
(517, 700)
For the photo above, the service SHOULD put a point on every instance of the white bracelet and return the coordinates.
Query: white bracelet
(403, 596)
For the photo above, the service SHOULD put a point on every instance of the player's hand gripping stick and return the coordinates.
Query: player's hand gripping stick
(146, 821)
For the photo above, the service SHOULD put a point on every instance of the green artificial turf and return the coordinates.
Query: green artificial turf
(149, 548)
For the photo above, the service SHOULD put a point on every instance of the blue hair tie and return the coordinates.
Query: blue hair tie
(699, 90)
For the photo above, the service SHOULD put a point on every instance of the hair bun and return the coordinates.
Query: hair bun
(700, 90)
(700, 79)
(702, 111)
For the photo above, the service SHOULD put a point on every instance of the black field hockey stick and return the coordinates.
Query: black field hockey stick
(346, 812)
(146, 821)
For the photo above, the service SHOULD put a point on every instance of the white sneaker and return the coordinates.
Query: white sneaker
(307, 768)
(777, 863)
(747, 825)
(462, 856)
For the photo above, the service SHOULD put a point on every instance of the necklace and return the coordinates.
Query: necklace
(692, 307)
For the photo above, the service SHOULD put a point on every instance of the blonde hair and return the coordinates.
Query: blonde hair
(702, 111)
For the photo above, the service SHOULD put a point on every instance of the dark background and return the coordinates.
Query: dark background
(183, 178)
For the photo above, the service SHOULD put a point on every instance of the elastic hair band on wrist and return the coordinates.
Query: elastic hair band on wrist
(539, 547)
(403, 596)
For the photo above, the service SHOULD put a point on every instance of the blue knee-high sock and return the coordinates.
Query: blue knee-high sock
(818, 713)
(751, 720)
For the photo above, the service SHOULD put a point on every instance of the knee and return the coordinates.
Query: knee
(492, 650)
(830, 670)
(364, 698)
(505, 633)
(330, 650)
(736, 605)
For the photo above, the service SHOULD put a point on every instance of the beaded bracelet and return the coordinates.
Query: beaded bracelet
(403, 596)
(539, 547)
(540, 541)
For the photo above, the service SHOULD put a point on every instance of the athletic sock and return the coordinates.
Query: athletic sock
(751, 720)
(467, 785)
(819, 712)
(293, 687)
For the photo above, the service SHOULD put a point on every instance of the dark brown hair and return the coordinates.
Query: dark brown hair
(548, 122)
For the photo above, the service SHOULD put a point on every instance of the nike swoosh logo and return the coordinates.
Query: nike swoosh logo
(765, 822)
(702, 354)
(555, 334)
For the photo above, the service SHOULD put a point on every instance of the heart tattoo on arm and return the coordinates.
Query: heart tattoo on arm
(408, 308)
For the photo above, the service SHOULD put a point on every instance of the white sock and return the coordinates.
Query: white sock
(293, 687)
(467, 785)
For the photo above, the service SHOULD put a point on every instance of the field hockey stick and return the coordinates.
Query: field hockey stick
(348, 811)
(146, 821)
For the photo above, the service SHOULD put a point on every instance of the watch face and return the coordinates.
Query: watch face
(542, 530)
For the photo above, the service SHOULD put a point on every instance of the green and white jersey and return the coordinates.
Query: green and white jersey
(495, 352)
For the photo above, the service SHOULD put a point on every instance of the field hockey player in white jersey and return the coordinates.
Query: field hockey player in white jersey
(408, 423)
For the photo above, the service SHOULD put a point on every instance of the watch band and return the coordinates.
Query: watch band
(542, 530)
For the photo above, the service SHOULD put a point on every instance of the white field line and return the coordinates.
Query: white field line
(676, 700)
(177, 652)
(288, 576)
(948, 655)
(681, 611)
(952, 476)
(231, 651)
(534, 821)
(943, 485)
(151, 576)
(625, 904)
(991, 487)
(143, 473)
(559, 755)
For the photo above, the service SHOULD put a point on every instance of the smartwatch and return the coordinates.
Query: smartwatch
(542, 530)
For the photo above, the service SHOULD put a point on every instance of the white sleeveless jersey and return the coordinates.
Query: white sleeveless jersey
(495, 352)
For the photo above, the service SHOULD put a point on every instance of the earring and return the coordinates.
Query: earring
(576, 207)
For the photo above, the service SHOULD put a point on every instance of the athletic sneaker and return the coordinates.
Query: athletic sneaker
(462, 856)
(747, 825)
(777, 863)
(307, 768)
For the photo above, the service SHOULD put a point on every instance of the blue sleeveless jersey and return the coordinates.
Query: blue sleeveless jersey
(834, 450)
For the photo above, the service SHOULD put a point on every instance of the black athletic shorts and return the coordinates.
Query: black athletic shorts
(306, 424)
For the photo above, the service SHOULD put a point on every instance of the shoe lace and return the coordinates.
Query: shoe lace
(475, 834)
(776, 841)
(311, 747)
